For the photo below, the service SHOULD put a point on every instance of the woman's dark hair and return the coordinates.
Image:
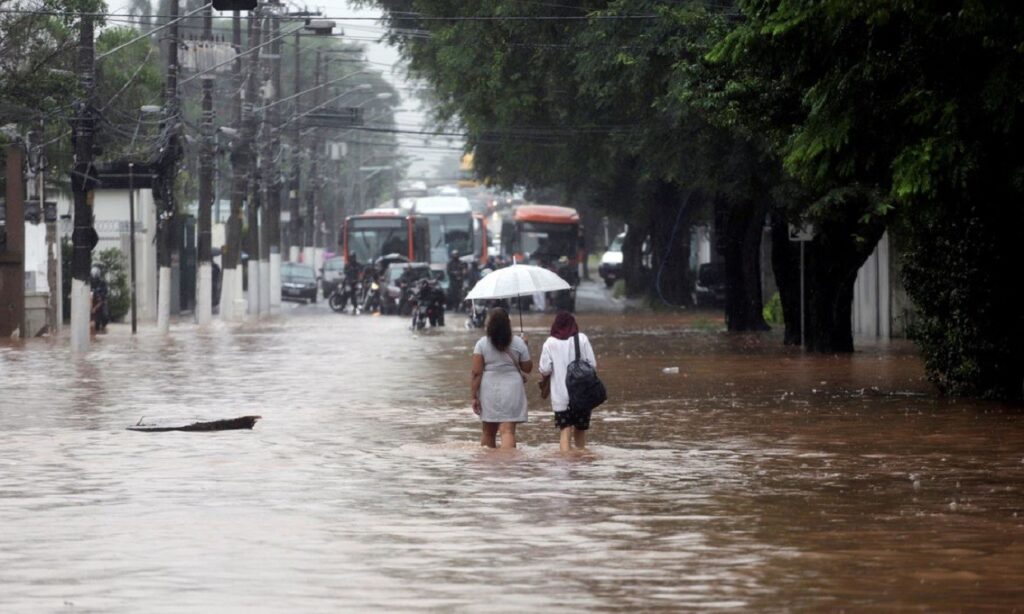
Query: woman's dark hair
(499, 328)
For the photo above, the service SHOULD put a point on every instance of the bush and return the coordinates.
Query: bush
(119, 298)
(773, 310)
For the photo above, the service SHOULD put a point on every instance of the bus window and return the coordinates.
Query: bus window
(372, 238)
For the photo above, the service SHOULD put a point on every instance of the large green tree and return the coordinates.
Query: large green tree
(908, 113)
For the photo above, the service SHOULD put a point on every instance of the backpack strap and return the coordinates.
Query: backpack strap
(576, 342)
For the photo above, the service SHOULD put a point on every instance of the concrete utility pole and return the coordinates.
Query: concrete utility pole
(295, 223)
(12, 250)
(83, 181)
(167, 173)
(265, 174)
(272, 220)
(309, 245)
(204, 291)
(249, 138)
(231, 277)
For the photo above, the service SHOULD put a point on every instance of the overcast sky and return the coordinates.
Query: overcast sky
(410, 115)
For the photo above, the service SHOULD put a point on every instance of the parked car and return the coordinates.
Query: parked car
(331, 274)
(709, 289)
(298, 282)
(610, 268)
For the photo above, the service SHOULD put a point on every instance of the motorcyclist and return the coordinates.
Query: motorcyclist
(352, 274)
(455, 276)
(100, 292)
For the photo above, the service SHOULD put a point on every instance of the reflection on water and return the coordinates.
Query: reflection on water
(755, 478)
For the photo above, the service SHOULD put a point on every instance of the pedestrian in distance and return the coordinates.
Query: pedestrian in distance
(498, 385)
(558, 352)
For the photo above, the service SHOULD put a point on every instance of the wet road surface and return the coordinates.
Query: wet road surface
(756, 478)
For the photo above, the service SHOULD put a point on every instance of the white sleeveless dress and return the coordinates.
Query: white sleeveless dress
(502, 392)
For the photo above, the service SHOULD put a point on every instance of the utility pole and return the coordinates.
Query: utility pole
(231, 284)
(265, 173)
(38, 165)
(166, 176)
(249, 138)
(309, 249)
(204, 293)
(272, 219)
(295, 223)
(83, 181)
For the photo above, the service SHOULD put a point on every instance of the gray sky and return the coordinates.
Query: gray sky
(410, 115)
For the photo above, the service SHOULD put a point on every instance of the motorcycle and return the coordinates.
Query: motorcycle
(342, 294)
(427, 300)
(476, 315)
(371, 294)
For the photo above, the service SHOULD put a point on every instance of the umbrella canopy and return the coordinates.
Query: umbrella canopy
(517, 280)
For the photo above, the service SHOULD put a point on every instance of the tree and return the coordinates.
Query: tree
(905, 114)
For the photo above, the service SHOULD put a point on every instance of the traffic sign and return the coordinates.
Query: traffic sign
(801, 233)
(345, 117)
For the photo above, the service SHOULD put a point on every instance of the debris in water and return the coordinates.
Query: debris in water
(223, 424)
(670, 370)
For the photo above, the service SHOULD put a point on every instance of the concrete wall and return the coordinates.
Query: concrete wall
(110, 210)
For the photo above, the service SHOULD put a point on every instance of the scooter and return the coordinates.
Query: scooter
(477, 315)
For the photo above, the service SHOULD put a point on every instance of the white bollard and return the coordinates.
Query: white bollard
(275, 282)
(81, 309)
(254, 288)
(204, 295)
(293, 253)
(264, 287)
(163, 304)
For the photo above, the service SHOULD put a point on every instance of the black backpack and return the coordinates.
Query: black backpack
(585, 389)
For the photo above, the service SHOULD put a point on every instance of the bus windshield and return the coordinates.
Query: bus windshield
(372, 238)
(546, 243)
(449, 232)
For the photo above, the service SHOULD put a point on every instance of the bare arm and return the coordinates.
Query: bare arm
(477, 376)
(525, 365)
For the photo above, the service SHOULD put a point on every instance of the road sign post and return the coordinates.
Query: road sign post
(801, 234)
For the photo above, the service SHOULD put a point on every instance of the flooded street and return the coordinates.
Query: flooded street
(757, 478)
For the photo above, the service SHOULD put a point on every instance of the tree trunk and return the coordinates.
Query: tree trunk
(831, 262)
(632, 260)
(738, 228)
(786, 267)
(670, 214)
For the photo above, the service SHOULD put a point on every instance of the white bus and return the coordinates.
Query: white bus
(451, 225)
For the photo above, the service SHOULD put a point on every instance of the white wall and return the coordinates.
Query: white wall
(110, 209)
(872, 294)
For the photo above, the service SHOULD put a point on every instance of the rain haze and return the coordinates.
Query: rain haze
(411, 305)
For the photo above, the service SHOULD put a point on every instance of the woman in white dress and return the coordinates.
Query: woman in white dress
(500, 364)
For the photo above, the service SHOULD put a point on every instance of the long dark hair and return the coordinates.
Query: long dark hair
(499, 328)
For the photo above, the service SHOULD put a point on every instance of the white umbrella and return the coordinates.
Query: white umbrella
(517, 280)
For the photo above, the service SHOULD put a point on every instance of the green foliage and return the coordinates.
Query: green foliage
(773, 310)
(119, 299)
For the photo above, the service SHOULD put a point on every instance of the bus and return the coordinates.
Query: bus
(467, 177)
(541, 235)
(379, 232)
(451, 225)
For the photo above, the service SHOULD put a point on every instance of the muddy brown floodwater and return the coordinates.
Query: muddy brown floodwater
(757, 478)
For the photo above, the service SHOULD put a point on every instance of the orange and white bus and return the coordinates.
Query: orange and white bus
(380, 232)
(541, 234)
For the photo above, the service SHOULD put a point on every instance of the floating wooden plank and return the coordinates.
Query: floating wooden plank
(225, 424)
